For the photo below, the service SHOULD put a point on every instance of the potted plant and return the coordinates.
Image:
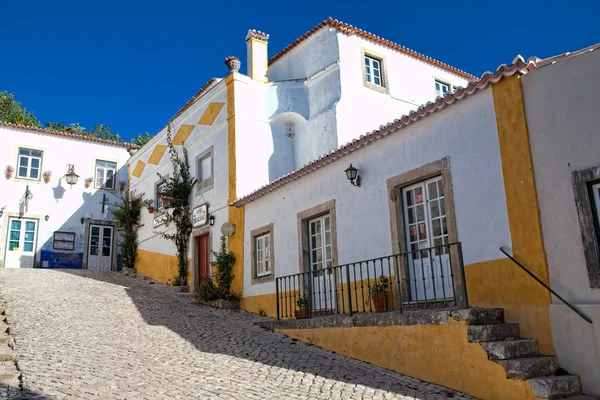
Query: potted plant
(303, 311)
(233, 63)
(9, 171)
(166, 200)
(379, 295)
(88, 182)
(47, 174)
(122, 185)
(149, 204)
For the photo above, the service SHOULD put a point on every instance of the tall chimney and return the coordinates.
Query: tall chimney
(257, 55)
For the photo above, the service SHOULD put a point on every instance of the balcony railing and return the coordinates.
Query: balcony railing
(426, 278)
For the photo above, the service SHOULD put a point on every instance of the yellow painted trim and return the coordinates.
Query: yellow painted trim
(139, 168)
(211, 113)
(236, 214)
(183, 133)
(158, 266)
(265, 302)
(253, 74)
(523, 217)
(439, 354)
(157, 153)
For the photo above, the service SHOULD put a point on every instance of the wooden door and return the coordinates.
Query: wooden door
(203, 258)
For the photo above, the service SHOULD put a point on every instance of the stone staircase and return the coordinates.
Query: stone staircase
(519, 357)
(9, 375)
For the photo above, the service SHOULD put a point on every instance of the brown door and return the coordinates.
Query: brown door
(203, 258)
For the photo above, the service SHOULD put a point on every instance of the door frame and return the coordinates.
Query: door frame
(7, 234)
(86, 241)
(397, 224)
(205, 230)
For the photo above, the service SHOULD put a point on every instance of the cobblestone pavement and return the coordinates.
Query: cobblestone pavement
(86, 335)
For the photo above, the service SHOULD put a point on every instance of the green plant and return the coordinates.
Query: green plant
(303, 303)
(380, 285)
(208, 291)
(178, 187)
(260, 310)
(224, 261)
(127, 217)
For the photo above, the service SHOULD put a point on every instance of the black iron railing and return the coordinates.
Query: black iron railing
(571, 306)
(426, 278)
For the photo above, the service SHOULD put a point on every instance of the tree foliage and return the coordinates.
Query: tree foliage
(12, 111)
(127, 217)
(176, 199)
(141, 140)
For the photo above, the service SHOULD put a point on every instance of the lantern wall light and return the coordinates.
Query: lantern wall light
(71, 176)
(352, 175)
(211, 220)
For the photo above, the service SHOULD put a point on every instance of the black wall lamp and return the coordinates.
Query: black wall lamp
(82, 220)
(352, 175)
(47, 217)
(211, 220)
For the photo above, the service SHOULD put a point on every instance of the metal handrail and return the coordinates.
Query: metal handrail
(572, 307)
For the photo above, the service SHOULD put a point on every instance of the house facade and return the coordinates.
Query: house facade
(47, 222)
(244, 131)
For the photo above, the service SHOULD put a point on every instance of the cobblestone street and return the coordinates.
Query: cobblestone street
(85, 335)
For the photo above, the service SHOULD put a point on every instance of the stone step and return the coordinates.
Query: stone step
(507, 349)
(555, 387)
(492, 333)
(3, 327)
(5, 338)
(532, 367)
(480, 316)
(3, 317)
(6, 353)
(8, 374)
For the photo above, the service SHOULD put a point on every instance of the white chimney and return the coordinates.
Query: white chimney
(257, 55)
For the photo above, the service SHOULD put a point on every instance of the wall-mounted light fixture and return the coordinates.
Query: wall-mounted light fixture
(352, 175)
(46, 218)
(71, 176)
(1, 212)
(211, 220)
(82, 220)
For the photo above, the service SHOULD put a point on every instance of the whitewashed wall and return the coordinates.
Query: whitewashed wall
(64, 204)
(562, 116)
(410, 83)
(466, 133)
(201, 138)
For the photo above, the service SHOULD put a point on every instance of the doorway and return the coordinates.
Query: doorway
(321, 260)
(21, 243)
(203, 259)
(100, 248)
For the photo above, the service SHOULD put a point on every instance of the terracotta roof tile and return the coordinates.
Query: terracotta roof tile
(519, 66)
(351, 30)
(72, 136)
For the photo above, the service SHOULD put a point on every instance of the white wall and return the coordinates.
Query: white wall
(201, 138)
(562, 116)
(466, 133)
(410, 83)
(64, 204)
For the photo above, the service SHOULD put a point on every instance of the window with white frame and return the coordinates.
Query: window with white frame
(29, 163)
(373, 73)
(160, 187)
(204, 164)
(441, 89)
(262, 246)
(105, 174)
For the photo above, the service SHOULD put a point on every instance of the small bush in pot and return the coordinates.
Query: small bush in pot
(303, 311)
(379, 295)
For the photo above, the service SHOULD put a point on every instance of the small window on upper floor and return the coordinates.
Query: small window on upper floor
(160, 187)
(105, 174)
(204, 163)
(441, 89)
(29, 163)
(373, 73)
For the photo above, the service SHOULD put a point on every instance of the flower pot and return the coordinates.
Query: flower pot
(234, 65)
(302, 314)
(150, 210)
(87, 184)
(122, 186)
(381, 302)
(8, 175)
(46, 179)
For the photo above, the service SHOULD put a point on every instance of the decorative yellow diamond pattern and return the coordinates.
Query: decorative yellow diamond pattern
(139, 168)
(157, 153)
(211, 113)
(183, 133)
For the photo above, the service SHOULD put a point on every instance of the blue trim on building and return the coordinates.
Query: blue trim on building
(57, 259)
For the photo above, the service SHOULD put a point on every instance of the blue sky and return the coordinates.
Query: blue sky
(132, 64)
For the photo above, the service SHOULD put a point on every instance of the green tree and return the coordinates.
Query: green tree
(12, 111)
(141, 140)
(176, 199)
(102, 131)
(127, 216)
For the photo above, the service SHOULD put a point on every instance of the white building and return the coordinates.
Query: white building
(245, 131)
(46, 222)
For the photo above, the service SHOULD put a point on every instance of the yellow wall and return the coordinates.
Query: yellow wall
(236, 215)
(267, 302)
(160, 267)
(500, 283)
(435, 353)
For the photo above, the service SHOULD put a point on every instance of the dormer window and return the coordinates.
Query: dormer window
(441, 89)
(373, 71)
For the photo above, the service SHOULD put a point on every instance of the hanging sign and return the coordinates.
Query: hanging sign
(228, 229)
(158, 221)
(200, 215)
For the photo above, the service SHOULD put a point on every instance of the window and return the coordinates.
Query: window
(373, 71)
(64, 241)
(586, 185)
(160, 187)
(204, 164)
(263, 261)
(29, 163)
(262, 244)
(441, 89)
(105, 174)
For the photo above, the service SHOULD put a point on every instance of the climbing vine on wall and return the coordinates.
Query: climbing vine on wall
(127, 217)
